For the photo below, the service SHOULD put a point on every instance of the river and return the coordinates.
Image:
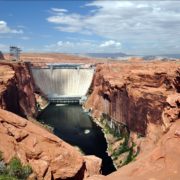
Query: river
(74, 126)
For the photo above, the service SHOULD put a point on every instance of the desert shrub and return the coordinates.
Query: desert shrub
(27, 170)
(14, 170)
(15, 167)
(2, 167)
(17, 170)
(7, 177)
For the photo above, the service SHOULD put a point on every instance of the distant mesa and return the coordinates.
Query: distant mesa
(104, 55)
(1, 56)
(123, 56)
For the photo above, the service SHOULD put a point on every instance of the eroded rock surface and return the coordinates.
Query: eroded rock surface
(162, 163)
(145, 97)
(49, 156)
(136, 94)
(16, 89)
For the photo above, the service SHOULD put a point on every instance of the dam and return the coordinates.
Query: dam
(63, 83)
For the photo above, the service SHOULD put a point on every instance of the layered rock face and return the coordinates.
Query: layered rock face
(49, 156)
(16, 89)
(136, 94)
(145, 97)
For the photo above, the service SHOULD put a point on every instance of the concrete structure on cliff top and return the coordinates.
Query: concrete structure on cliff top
(63, 83)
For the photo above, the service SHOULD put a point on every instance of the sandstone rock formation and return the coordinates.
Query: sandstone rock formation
(49, 156)
(136, 94)
(16, 89)
(162, 163)
(144, 96)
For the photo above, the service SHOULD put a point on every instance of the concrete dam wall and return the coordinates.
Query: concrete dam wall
(63, 83)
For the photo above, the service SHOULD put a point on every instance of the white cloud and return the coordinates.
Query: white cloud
(59, 10)
(4, 28)
(110, 43)
(84, 46)
(136, 24)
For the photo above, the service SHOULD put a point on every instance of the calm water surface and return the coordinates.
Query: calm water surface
(75, 127)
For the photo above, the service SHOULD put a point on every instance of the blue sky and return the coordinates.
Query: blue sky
(132, 27)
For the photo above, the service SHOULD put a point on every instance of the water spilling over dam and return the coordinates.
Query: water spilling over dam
(63, 82)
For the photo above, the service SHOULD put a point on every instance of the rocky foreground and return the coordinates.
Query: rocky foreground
(49, 156)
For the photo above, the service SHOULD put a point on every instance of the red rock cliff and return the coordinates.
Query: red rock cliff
(136, 94)
(49, 156)
(145, 96)
(16, 89)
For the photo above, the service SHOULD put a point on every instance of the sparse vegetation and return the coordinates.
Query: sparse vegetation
(107, 129)
(123, 154)
(14, 170)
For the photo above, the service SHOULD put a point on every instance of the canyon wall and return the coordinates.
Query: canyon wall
(145, 96)
(16, 89)
(49, 156)
(137, 94)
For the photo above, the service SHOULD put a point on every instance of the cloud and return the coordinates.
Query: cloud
(67, 23)
(110, 43)
(138, 25)
(84, 46)
(59, 10)
(4, 28)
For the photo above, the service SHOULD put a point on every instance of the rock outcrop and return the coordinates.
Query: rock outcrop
(136, 94)
(16, 89)
(162, 163)
(144, 96)
(49, 156)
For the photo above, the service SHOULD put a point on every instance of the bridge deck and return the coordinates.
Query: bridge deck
(65, 99)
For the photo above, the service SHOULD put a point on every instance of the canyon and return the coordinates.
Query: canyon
(142, 96)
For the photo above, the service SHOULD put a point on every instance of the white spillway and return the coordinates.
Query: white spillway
(63, 82)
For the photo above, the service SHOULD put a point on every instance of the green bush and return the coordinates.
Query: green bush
(27, 170)
(7, 177)
(16, 169)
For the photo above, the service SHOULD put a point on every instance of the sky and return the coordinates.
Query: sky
(87, 26)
